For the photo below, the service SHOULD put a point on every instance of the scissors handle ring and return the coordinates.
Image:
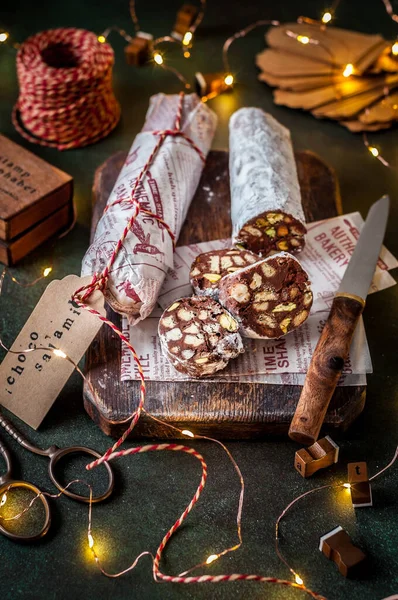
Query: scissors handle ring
(56, 456)
(47, 518)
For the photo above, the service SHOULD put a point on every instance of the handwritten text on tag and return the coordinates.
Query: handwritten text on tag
(30, 383)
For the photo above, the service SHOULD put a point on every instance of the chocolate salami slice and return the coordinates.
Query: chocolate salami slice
(266, 211)
(270, 298)
(199, 336)
(209, 268)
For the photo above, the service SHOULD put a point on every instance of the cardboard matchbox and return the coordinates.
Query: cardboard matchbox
(35, 201)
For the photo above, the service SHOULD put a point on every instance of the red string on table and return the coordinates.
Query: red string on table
(99, 280)
(157, 574)
(80, 297)
(66, 98)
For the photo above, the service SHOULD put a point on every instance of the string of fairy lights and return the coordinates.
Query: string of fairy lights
(176, 447)
(228, 79)
(298, 581)
(186, 42)
(184, 577)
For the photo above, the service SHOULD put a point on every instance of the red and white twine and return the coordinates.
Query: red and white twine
(99, 280)
(66, 98)
(157, 574)
(81, 296)
(69, 106)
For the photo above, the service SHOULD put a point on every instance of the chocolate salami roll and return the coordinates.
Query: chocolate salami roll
(266, 210)
(270, 298)
(209, 268)
(199, 336)
(166, 190)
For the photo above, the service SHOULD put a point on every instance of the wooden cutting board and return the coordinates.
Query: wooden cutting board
(224, 410)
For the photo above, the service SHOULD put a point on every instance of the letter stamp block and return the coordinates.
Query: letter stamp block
(320, 455)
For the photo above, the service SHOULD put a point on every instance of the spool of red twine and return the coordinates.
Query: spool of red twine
(66, 98)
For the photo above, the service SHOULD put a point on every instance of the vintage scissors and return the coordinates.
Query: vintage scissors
(6, 484)
(55, 454)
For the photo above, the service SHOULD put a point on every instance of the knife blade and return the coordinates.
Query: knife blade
(334, 343)
(360, 270)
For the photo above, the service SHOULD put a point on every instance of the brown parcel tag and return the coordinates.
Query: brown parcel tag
(30, 383)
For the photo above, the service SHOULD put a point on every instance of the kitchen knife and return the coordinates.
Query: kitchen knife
(333, 346)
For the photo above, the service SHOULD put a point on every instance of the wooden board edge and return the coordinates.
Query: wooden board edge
(247, 430)
(333, 173)
(336, 421)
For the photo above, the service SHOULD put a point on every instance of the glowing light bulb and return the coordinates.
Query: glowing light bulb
(187, 432)
(373, 151)
(3, 499)
(101, 39)
(394, 48)
(229, 79)
(298, 579)
(347, 485)
(3, 36)
(90, 540)
(187, 54)
(158, 58)
(303, 39)
(47, 271)
(187, 39)
(348, 70)
(59, 353)
(211, 558)
(326, 17)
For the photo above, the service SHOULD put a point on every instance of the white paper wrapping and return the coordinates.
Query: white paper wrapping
(167, 190)
(262, 358)
(329, 246)
(325, 257)
(262, 168)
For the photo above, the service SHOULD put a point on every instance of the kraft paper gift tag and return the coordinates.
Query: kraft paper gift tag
(386, 62)
(284, 64)
(352, 86)
(299, 84)
(357, 126)
(384, 111)
(306, 76)
(30, 383)
(348, 107)
(336, 46)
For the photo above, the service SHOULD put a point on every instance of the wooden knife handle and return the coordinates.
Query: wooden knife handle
(325, 368)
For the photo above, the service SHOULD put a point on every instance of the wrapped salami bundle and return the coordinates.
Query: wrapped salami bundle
(167, 190)
(268, 299)
(266, 210)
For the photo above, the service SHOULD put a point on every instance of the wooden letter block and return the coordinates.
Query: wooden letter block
(320, 455)
(361, 491)
(185, 18)
(138, 51)
(337, 546)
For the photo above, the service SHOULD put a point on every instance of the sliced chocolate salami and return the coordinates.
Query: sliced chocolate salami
(272, 232)
(199, 336)
(270, 298)
(266, 211)
(209, 268)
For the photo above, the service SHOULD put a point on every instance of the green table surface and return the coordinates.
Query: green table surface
(152, 490)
